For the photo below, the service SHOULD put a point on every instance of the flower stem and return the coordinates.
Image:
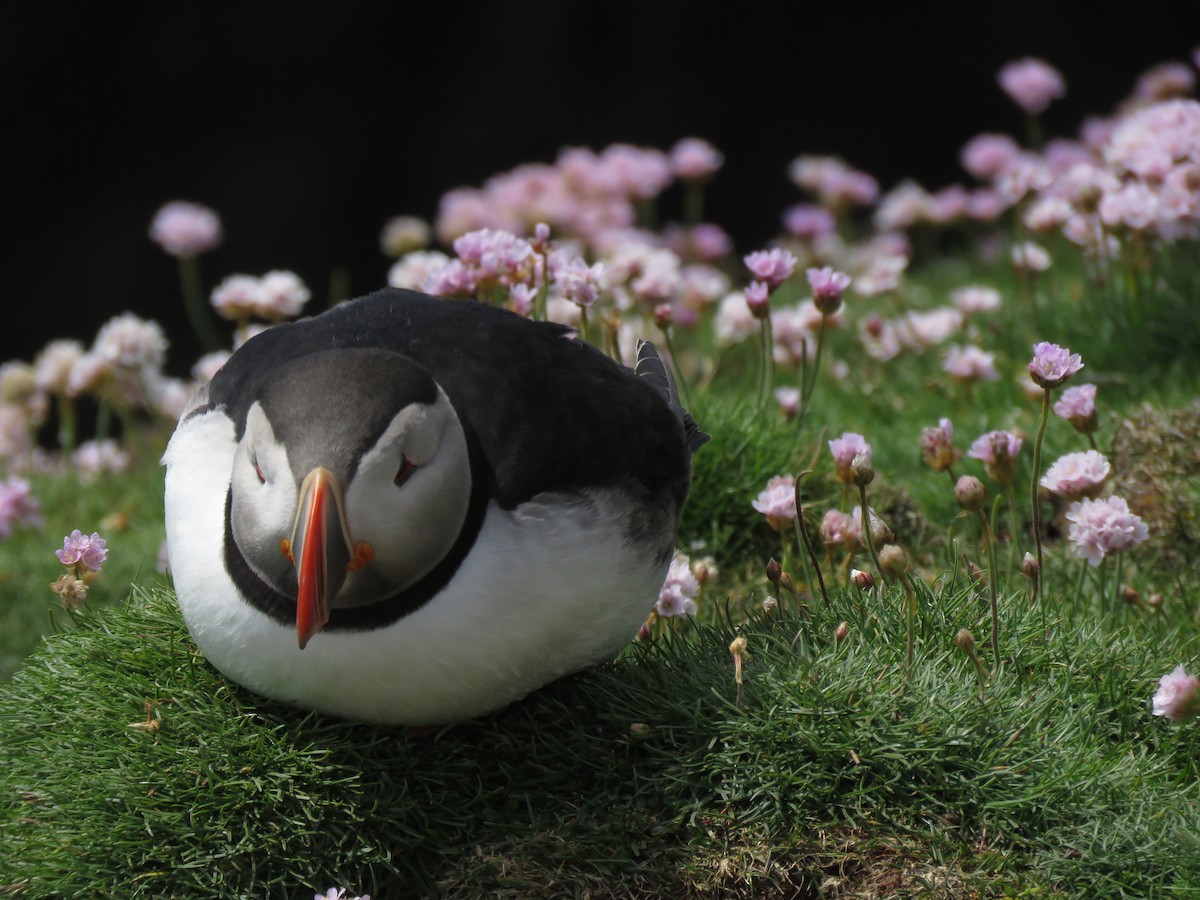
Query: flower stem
(1037, 465)
(197, 310)
(866, 529)
(802, 533)
(989, 542)
(768, 363)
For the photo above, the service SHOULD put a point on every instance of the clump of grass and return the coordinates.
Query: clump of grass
(130, 767)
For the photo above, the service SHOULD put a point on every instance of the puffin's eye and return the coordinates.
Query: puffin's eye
(406, 469)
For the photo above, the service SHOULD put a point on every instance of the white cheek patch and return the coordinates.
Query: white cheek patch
(262, 512)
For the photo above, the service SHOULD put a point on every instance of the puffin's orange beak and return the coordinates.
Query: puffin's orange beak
(320, 549)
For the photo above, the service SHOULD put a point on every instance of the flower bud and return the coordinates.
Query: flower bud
(970, 493)
(738, 646)
(965, 641)
(663, 315)
(861, 580)
(769, 604)
(758, 298)
(1130, 594)
(840, 634)
(861, 470)
(644, 632)
(894, 561)
(785, 581)
(1030, 568)
(774, 571)
(881, 533)
(1155, 600)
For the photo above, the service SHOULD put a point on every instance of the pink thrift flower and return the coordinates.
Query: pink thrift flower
(998, 451)
(1099, 527)
(1165, 81)
(937, 446)
(710, 241)
(838, 527)
(827, 286)
(777, 501)
(414, 270)
(693, 159)
(1030, 257)
(52, 367)
(928, 328)
(844, 449)
(987, 155)
(975, 299)
(185, 229)
(80, 549)
(18, 505)
(281, 295)
(677, 597)
(969, 363)
(735, 320)
(758, 299)
(94, 457)
(788, 399)
(1078, 405)
(1077, 475)
(236, 297)
(809, 222)
(131, 343)
(577, 281)
(773, 267)
(1052, 365)
(1153, 141)
(1031, 84)
(1176, 697)
(404, 234)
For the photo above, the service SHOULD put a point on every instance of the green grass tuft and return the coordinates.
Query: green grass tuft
(645, 778)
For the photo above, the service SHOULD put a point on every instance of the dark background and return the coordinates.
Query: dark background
(307, 125)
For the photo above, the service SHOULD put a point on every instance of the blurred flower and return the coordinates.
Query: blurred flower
(922, 329)
(835, 183)
(1029, 257)
(281, 295)
(970, 493)
(1077, 404)
(844, 449)
(710, 241)
(838, 527)
(338, 894)
(1052, 365)
(186, 229)
(1165, 81)
(1176, 697)
(998, 451)
(577, 281)
(758, 299)
(861, 580)
(404, 234)
(52, 367)
(131, 343)
(209, 364)
(1150, 143)
(772, 267)
(808, 221)
(827, 288)
(1077, 475)
(777, 501)
(693, 159)
(1031, 84)
(18, 506)
(788, 399)
(236, 297)
(72, 591)
(94, 457)
(970, 363)
(937, 446)
(987, 155)
(1099, 527)
(734, 321)
(677, 597)
(975, 299)
(415, 271)
(85, 550)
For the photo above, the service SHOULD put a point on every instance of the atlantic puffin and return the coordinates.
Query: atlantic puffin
(417, 510)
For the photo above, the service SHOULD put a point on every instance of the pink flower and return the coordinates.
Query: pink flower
(80, 549)
(788, 399)
(1176, 697)
(777, 501)
(1030, 257)
(773, 267)
(131, 343)
(1052, 365)
(710, 241)
(838, 527)
(758, 299)
(1078, 405)
(94, 457)
(975, 299)
(677, 597)
(998, 450)
(236, 297)
(18, 505)
(735, 320)
(844, 449)
(970, 363)
(185, 229)
(577, 281)
(987, 155)
(808, 221)
(414, 270)
(404, 234)
(833, 181)
(937, 446)
(1077, 475)
(928, 328)
(1164, 81)
(827, 288)
(52, 368)
(1151, 142)
(1031, 84)
(281, 295)
(1099, 527)
(693, 159)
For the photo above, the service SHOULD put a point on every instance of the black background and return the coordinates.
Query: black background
(306, 126)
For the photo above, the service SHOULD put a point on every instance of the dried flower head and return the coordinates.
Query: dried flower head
(937, 446)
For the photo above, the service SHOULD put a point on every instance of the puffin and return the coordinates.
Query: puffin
(413, 510)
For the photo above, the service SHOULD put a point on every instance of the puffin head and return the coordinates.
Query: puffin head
(351, 481)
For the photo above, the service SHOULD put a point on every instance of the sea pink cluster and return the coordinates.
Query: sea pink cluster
(777, 501)
(839, 528)
(1077, 404)
(186, 229)
(276, 296)
(1103, 526)
(844, 449)
(1077, 475)
(937, 446)
(86, 550)
(18, 506)
(1032, 84)
(997, 450)
(1178, 695)
(836, 184)
(677, 597)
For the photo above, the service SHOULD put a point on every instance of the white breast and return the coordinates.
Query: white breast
(549, 588)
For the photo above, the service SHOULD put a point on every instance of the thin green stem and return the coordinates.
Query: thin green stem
(197, 310)
(866, 529)
(989, 542)
(1037, 466)
(802, 533)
